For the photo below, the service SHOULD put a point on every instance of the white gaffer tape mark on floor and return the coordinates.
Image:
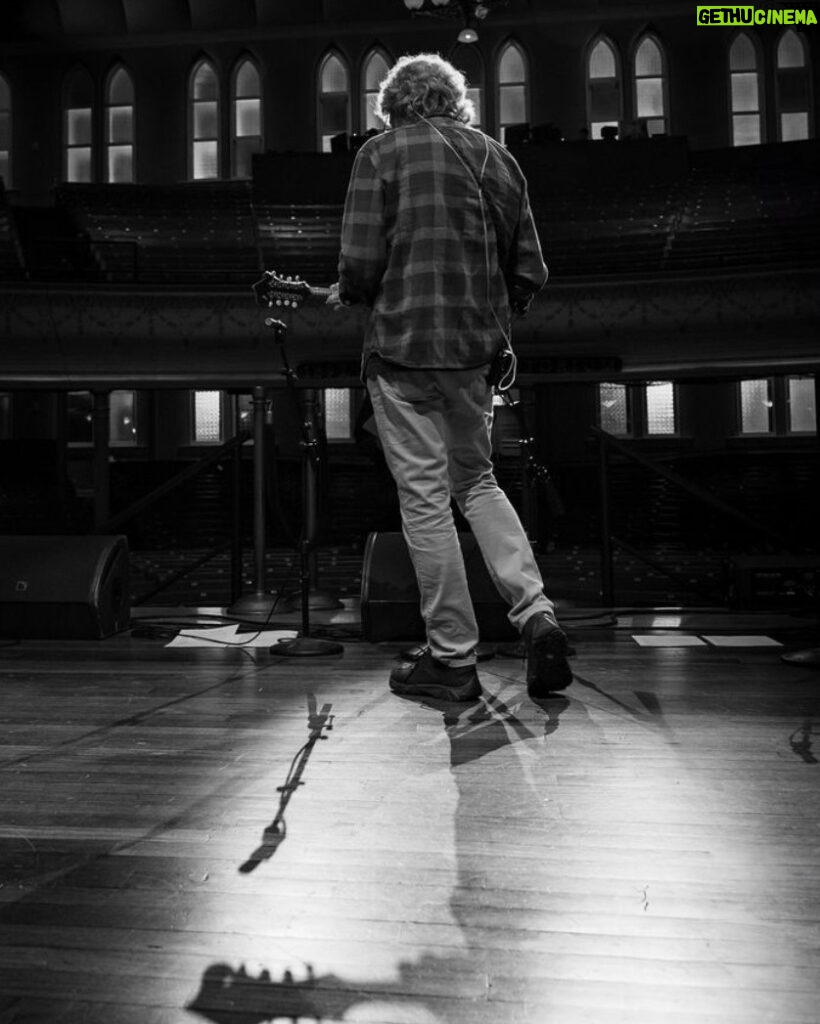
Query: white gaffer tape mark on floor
(742, 641)
(229, 636)
(687, 640)
(667, 640)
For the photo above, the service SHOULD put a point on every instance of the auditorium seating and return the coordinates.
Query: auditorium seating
(193, 234)
(729, 209)
(300, 240)
(745, 210)
(610, 230)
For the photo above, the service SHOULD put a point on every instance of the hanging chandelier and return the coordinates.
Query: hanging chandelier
(470, 12)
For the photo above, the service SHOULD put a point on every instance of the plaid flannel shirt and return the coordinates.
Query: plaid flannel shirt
(437, 267)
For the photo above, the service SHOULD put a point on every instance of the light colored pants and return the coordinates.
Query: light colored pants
(434, 426)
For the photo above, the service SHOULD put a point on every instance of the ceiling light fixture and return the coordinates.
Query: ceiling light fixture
(470, 12)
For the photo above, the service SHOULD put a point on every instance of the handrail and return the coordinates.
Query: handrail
(694, 489)
(183, 572)
(184, 475)
(609, 441)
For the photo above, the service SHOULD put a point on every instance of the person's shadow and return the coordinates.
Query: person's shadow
(485, 766)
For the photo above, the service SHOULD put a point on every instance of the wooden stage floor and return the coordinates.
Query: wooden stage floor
(216, 834)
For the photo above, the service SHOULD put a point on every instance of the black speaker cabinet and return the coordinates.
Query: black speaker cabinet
(390, 594)
(63, 587)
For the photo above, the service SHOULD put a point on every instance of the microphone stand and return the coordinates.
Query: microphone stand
(304, 645)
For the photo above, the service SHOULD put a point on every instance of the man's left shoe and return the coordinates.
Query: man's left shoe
(429, 677)
(546, 647)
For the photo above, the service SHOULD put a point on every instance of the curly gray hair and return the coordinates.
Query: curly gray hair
(423, 85)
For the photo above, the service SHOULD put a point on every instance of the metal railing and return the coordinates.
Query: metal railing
(608, 442)
(231, 447)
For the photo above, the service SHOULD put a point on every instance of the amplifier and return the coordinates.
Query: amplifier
(390, 594)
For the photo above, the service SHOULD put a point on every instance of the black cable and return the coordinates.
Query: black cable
(168, 627)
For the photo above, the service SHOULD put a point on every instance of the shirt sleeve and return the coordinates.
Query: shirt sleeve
(526, 271)
(363, 256)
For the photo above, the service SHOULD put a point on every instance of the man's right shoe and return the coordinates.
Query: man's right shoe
(428, 677)
(546, 648)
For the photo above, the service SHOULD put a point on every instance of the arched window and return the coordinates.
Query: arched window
(603, 88)
(513, 101)
(467, 58)
(205, 120)
(793, 91)
(745, 90)
(5, 132)
(650, 86)
(334, 100)
(78, 109)
(376, 66)
(246, 118)
(119, 127)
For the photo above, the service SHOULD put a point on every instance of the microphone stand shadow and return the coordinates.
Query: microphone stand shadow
(276, 833)
(233, 996)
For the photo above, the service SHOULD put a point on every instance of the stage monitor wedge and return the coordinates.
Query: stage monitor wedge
(64, 587)
(390, 595)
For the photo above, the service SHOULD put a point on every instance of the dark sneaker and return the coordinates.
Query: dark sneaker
(428, 677)
(546, 648)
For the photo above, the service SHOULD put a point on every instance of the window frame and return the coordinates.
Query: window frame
(761, 91)
(664, 79)
(225, 412)
(780, 408)
(506, 45)
(78, 80)
(637, 410)
(8, 111)
(618, 80)
(365, 106)
(780, 72)
(139, 418)
(234, 100)
(204, 62)
(119, 68)
(787, 379)
(468, 58)
(349, 393)
(330, 54)
(629, 403)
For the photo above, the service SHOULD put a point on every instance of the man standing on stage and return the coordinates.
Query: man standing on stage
(439, 242)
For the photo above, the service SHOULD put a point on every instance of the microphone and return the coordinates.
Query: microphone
(279, 327)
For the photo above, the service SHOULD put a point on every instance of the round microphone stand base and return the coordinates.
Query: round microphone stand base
(318, 601)
(809, 658)
(306, 647)
(253, 607)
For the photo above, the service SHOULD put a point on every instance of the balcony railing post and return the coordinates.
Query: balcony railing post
(607, 574)
(101, 425)
(236, 526)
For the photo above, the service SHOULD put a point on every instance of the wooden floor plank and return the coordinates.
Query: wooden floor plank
(642, 849)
